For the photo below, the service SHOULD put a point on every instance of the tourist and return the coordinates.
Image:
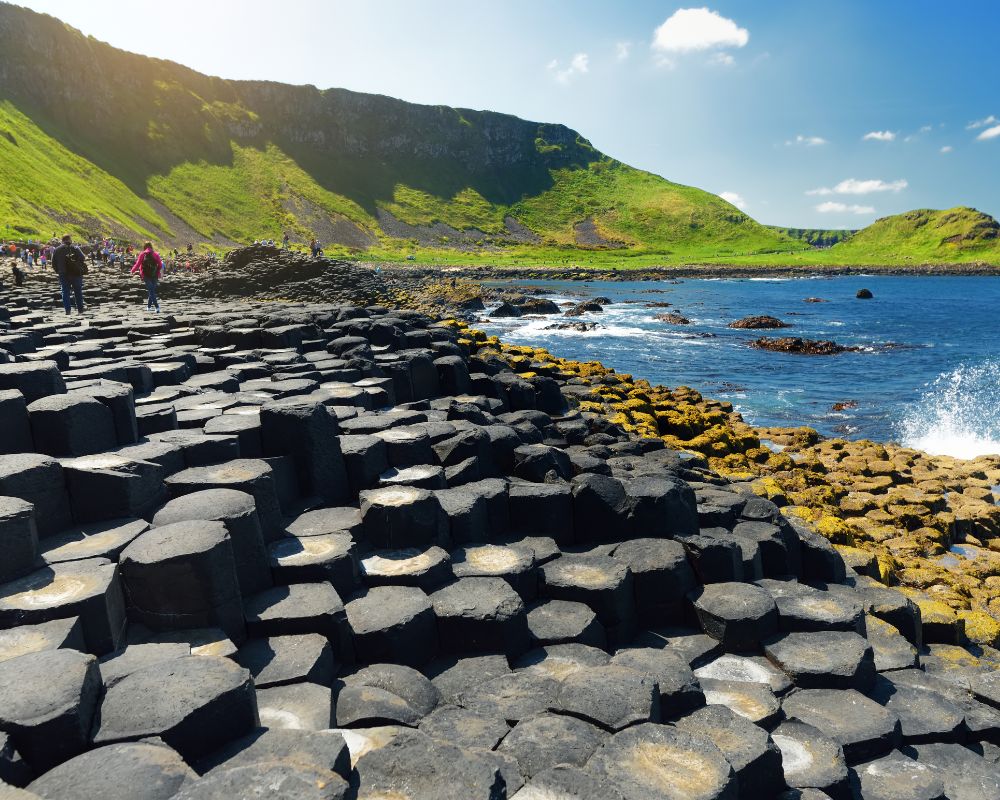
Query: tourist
(284, 242)
(70, 265)
(149, 267)
(313, 247)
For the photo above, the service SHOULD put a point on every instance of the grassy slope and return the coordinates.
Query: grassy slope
(239, 161)
(44, 186)
(956, 234)
(253, 198)
(657, 221)
(816, 237)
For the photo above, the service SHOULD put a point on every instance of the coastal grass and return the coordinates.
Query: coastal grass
(263, 193)
(45, 187)
(633, 219)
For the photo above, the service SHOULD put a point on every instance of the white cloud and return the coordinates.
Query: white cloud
(622, 50)
(989, 133)
(723, 59)
(690, 30)
(925, 129)
(735, 198)
(947, 148)
(982, 123)
(879, 136)
(833, 207)
(855, 186)
(578, 65)
(807, 141)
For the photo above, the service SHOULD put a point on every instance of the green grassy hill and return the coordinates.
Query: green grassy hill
(98, 140)
(815, 237)
(925, 236)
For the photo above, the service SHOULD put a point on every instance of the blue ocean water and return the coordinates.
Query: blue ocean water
(928, 375)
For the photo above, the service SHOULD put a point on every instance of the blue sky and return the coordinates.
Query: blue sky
(806, 113)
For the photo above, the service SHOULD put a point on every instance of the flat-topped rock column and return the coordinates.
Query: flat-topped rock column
(18, 538)
(47, 704)
(39, 480)
(71, 425)
(238, 512)
(253, 476)
(89, 589)
(306, 431)
(14, 423)
(183, 575)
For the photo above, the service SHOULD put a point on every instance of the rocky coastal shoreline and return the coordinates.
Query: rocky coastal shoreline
(296, 532)
(581, 273)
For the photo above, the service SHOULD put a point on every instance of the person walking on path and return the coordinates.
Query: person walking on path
(149, 266)
(70, 265)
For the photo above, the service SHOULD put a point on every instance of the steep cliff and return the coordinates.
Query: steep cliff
(97, 138)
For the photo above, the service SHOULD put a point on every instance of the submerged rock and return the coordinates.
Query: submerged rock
(538, 305)
(759, 322)
(864, 294)
(808, 347)
(582, 327)
(506, 309)
(587, 306)
(673, 319)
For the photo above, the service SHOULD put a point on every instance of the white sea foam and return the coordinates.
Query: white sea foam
(958, 415)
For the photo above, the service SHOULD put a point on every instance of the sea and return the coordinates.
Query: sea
(927, 374)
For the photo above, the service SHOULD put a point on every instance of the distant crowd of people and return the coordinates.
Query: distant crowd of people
(315, 247)
(72, 261)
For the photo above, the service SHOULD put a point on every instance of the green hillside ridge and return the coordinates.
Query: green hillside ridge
(815, 237)
(960, 234)
(98, 140)
(33, 165)
(185, 156)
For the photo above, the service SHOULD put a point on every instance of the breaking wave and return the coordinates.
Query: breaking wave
(958, 414)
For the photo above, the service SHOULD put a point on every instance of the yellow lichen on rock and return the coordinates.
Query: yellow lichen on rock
(893, 512)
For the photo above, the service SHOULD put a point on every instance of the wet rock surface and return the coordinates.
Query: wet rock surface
(345, 552)
(758, 322)
(794, 344)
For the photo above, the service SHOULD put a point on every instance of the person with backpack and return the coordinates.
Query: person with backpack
(70, 265)
(149, 267)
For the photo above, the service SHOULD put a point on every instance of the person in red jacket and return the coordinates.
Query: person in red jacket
(149, 266)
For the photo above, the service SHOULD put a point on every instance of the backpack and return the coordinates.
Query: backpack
(149, 267)
(75, 264)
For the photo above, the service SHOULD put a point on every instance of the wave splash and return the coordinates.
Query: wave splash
(958, 415)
